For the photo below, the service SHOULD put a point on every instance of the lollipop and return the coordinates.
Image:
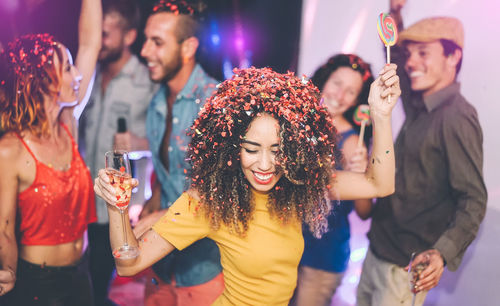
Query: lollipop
(388, 32)
(362, 117)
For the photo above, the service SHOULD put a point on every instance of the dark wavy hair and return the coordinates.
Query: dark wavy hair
(306, 150)
(27, 75)
(322, 74)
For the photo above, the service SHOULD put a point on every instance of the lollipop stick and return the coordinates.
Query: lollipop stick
(361, 133)
(388, 54)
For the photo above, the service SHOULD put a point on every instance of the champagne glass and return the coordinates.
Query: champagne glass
(414, 274)
(118, 171)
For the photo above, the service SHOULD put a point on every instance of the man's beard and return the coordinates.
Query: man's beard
(111, 56)
(172, 68)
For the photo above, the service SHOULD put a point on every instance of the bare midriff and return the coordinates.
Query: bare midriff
(59, 255)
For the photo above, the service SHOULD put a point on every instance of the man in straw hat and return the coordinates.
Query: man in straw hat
(440, 197)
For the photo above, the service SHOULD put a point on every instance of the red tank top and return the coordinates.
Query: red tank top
(58, 205)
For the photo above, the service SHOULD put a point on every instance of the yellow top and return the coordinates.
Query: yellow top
(259, 268)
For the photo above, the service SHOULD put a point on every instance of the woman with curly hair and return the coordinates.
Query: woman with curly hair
(46, 196)
(344, 81)
(262, 156)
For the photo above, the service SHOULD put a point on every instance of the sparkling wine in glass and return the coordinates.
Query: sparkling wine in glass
(118, 171)
(414, 274)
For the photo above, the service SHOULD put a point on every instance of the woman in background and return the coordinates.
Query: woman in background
(344, 81)
(46, 197)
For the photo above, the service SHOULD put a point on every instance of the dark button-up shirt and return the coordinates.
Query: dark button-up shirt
(440, 197)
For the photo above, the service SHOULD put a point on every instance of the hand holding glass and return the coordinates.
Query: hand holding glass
(414, 274)
(118, 171)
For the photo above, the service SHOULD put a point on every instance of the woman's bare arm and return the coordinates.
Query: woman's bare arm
(10, 151)
(356, 160)
(379, 179)
(89, 42)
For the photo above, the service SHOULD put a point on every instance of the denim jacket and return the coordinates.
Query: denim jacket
(200, 262)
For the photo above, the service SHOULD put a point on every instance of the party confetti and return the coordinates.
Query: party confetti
(305, 156)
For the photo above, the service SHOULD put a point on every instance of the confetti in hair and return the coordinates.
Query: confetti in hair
(27, 74)
(190, 13)
(306, 149)
(177, 7)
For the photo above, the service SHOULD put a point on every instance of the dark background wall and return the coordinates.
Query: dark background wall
(235, 32)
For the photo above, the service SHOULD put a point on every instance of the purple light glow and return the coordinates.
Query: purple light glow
(10, 6)
(239, 43)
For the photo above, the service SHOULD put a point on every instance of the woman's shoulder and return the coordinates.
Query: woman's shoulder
(11, 152)
(193, 193)
(10, 146)
(186, 199)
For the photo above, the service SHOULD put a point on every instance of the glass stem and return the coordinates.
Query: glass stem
(122, 211)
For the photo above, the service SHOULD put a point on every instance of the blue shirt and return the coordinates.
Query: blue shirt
(331, 252)
(200, 262)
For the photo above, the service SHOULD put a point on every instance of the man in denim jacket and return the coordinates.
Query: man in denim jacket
(192, 276)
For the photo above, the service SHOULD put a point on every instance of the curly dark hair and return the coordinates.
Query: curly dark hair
(306, 150)
(322, 74)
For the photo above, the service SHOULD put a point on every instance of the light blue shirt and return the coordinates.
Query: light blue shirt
(185, 109)
(200, 262)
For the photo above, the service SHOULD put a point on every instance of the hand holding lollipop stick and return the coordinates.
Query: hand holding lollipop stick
(388, 33)
(362, 117)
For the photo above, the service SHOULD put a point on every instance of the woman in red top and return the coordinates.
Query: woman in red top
(46, 200)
